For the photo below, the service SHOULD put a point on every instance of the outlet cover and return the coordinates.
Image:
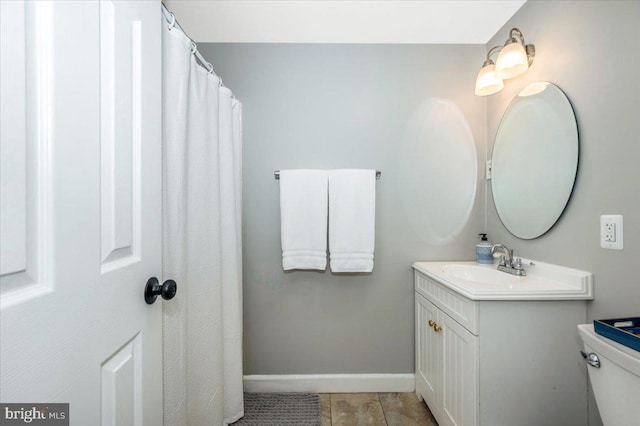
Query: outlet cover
(611, 232)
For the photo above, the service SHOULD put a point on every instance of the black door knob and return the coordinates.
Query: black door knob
(153, 289)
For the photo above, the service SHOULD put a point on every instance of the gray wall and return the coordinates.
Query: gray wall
(335, 106)
(588, 49)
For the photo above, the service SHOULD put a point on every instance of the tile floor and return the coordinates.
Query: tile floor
(378, 409)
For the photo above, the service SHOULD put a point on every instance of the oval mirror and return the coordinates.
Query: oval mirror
(535, 160)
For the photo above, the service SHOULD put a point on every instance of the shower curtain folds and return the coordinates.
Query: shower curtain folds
(202, 327)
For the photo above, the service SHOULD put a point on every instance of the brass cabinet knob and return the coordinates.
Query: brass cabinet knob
(435, 326)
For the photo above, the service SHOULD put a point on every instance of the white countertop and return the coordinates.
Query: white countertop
(544, 281)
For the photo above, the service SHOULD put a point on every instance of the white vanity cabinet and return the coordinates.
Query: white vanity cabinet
(498, 362)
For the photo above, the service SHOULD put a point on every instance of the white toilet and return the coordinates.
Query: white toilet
(616, 382)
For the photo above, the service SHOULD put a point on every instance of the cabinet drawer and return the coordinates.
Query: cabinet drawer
(461, 309)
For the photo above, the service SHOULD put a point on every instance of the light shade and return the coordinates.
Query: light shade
(512, 61)
(487, 83)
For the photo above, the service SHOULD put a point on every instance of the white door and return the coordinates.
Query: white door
(81, 208)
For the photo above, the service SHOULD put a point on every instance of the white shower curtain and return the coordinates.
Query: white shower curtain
(202, 325)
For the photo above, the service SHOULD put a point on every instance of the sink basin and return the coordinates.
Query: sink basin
(544, 281)
(479, 274)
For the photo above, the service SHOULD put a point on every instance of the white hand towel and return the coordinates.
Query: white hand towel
(303, 219)
(352, 214)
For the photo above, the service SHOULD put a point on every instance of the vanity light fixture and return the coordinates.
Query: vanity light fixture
(514, 58)
(487, 83)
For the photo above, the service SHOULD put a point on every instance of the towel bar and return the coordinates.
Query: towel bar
(276, 174)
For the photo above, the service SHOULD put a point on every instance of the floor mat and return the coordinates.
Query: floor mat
(264, 409)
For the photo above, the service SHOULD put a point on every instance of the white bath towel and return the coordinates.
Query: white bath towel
(303, 219)
(352, 212)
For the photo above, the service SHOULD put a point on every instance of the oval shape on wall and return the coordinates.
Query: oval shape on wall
(439, 166)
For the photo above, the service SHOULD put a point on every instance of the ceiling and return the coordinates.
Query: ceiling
(336, 21)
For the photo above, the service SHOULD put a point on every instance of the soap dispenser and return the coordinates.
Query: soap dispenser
(483, 251)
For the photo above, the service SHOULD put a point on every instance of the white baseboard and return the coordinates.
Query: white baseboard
(330, 383)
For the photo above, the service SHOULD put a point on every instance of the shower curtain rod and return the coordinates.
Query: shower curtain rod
(276, 174)
(171, 20)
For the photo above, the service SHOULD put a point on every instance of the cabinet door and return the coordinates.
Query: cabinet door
(459, 386)
(428, 350)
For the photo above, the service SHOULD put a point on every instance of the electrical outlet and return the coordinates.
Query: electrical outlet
(611, 232)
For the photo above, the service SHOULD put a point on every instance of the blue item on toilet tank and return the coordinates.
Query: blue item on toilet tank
(622, 330)
(483, 251)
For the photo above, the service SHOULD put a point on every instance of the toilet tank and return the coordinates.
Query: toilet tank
(616, 384)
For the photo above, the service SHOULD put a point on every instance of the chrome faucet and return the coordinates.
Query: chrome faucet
(506, 258)
(507, 263)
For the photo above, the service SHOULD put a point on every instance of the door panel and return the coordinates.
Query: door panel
(121, 123)
(122, 386)
(13, 173)
(429, 356)
(25, 163)
(86, 184)
(459, 373)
